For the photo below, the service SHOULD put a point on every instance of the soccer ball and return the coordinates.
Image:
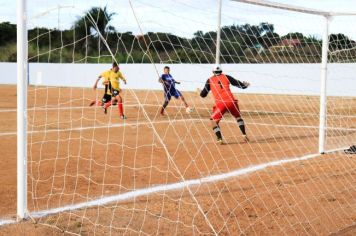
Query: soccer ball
(189, 110)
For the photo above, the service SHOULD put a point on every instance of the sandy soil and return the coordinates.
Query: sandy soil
(76, 153)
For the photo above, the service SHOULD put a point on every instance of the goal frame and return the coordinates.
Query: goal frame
(22, 73)
(324, 55)
(22, 65)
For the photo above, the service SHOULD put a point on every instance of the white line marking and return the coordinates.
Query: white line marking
(299, 126)
(6, 222)
(165, 122)
(170, 187)
(50, 108)
(101, 126)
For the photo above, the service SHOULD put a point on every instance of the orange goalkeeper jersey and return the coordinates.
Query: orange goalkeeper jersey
(220, 87)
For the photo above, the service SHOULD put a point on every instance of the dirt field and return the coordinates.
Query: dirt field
(77, 153)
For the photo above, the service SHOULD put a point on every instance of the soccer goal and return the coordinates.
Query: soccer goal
(115, 135)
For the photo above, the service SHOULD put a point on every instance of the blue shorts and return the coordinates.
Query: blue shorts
(173, 92)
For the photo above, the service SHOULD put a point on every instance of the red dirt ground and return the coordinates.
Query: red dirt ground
(76, 154)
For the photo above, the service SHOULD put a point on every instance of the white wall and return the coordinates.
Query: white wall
(264, 78)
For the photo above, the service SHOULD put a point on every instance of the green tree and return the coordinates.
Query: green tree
(294, 35)
(87, 28)
(95, 20)
(269, 39)
(7, 33)
(339, 41)
(266, 28)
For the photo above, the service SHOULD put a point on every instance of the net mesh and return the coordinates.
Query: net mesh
(95, 173)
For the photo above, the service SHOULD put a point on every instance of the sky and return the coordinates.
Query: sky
(184, 17)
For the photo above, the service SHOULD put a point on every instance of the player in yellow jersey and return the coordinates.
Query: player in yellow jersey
(106, 96)
(111, 80)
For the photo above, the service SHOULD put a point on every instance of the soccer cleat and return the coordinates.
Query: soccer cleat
(351, 150)
(246, 138)
(123, 117)
(92, 103)
(189, 110)
(221, 141)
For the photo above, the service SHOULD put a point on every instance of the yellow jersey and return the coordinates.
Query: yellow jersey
(113, 78)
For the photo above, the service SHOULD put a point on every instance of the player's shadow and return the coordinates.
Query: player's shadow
(276, 139)
(273, 139)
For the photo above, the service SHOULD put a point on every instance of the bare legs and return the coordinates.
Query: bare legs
(166, 102)
(183, 100)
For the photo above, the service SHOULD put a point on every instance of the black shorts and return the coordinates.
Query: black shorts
(106, 98)
(115, 92)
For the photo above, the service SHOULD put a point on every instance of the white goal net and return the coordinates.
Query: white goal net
(130, 167)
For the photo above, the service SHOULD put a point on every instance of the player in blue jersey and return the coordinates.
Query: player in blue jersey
(170, 90)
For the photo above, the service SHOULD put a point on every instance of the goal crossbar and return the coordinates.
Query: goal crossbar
(295, 8)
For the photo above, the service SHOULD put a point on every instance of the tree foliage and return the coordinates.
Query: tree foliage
(7, 33)
(244, 43)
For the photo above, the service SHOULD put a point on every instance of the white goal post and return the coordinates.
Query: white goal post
(324, 61)
(22, 68)
(290, 7)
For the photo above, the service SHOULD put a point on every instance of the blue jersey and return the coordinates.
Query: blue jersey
(169, 87)
(168, 82)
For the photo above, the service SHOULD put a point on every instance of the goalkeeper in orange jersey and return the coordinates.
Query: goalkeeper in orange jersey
(111, 81)
(219, 85)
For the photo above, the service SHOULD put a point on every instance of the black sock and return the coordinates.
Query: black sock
(242, 126)
(217, 132)
(165, 104)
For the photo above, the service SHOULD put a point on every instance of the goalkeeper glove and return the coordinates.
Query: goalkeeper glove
(247, 84)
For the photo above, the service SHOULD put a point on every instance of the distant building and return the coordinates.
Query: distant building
(255, 49)
(291, 43)
(286, 44)
(139, 36)
(259, 48)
